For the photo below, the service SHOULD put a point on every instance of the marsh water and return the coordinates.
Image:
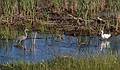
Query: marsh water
(50, 46)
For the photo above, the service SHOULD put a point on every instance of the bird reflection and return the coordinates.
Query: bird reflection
(104, 44)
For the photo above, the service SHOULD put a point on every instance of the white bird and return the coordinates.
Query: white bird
(23, 37)
(105, 36)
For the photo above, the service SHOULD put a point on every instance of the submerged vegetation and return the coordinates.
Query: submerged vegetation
(68, 63)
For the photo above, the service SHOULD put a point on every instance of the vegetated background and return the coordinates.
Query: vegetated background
(33, 14)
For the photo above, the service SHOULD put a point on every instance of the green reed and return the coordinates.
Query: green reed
(110, 62)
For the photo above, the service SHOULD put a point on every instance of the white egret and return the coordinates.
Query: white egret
(105, 36)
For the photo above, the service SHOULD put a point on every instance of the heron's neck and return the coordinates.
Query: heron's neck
(25, 33)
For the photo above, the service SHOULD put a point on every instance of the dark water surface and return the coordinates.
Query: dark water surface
(49, 46)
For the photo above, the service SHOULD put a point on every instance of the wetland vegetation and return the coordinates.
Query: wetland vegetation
(58, 16)
(67, 63)
(71, 18)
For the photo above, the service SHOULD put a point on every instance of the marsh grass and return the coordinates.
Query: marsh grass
(85, 8)
(7, 33)
(27, 9)
(68, 63)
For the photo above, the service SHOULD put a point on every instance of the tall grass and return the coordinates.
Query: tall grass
(7, 33)
(85, 8)
(68, 63)
(30, 10)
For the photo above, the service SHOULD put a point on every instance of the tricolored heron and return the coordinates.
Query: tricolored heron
(23, 37)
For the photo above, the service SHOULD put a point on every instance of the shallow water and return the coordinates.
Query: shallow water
(49, 46)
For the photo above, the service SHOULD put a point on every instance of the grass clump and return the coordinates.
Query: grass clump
(68, 63)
